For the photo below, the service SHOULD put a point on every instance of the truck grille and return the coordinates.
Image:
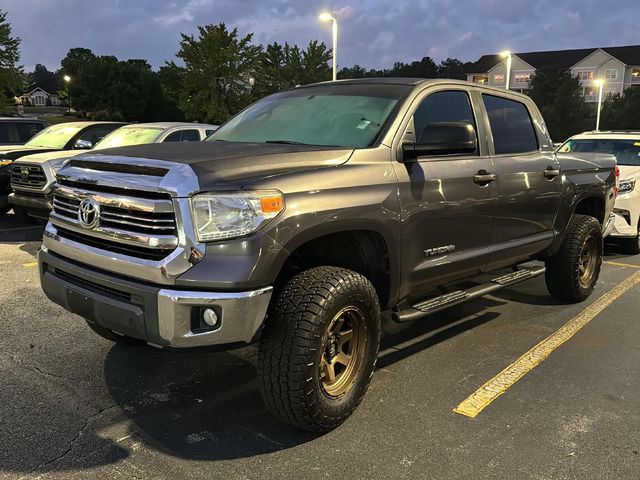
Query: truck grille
(30, 176)
(130, 225)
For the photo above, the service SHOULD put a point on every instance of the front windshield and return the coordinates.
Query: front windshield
(333, 115)
(126, 136)
(627, 152)
(55, 136)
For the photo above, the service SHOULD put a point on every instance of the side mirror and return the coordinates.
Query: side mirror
(442, 138)
(82, 145)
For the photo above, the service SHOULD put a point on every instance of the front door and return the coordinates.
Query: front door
(528, 183)
(448, 201)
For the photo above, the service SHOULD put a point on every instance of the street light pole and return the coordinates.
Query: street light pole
(600, 83)
(67, 79)
(327, 17)
(507, 82)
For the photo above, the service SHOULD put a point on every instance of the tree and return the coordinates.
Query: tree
(11, 76)
(128, 90)
(315, 63)
(40, 74)
(354, 72)
(75, 59)
(558, 97)
(285, 66)
(218, 66)
(425, 68)
(622, 112)
(452, 68)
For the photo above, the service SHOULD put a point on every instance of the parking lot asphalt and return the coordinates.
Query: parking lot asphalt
(73, 405)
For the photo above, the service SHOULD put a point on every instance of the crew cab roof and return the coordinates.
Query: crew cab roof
(413, 82)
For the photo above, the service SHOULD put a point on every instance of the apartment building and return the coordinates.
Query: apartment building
(619, 67)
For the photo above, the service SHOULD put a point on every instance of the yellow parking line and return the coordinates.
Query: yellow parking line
(618, 264)
(30, 264)
(499, 384)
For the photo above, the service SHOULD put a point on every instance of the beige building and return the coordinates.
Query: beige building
(619, 67)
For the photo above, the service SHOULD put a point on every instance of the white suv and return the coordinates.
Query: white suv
(626, 148)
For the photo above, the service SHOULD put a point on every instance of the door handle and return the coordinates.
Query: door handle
(551, 172)
(484, 178)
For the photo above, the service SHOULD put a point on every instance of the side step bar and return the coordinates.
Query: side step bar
(459, 296)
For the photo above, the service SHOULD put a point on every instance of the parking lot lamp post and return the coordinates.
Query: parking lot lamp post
(507, 54)
(327, 17)
(599, 83)
(67, 79)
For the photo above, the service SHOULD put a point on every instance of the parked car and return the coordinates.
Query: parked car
(313, 214)
(625, 146)
(16, 130)
(33, 176)
(63, 136)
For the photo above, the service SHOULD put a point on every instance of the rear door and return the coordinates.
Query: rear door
(446, 215)
(528, 181)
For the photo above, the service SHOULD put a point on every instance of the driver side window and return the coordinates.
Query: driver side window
(443, 107)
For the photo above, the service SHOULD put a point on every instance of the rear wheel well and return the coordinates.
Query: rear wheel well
(592, 206)
(363, 251)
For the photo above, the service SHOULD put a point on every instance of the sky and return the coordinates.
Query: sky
(372, 33)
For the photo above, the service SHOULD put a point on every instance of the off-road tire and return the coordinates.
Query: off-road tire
(563, 275)
(112, 336)
(293, 349)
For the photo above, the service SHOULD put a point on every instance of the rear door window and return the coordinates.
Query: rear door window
(5, 137)
(190, 136)
(511, 125)
(173, 137)
(26, 130)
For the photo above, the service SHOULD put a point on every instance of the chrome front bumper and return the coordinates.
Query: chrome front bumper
(162, 317)
(242, 313)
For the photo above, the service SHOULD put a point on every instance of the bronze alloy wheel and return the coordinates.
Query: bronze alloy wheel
(588, 261)
(344, 347)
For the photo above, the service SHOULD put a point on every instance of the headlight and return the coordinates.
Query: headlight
(627, 186)
(219, 216)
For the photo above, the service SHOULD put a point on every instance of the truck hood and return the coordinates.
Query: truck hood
(629, 171)
(55, 156)
(230, 163)
(13, 152)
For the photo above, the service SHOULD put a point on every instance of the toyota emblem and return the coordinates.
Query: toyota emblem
(89, 213)
(24, 173)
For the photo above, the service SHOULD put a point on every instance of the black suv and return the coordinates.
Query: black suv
(16, 130)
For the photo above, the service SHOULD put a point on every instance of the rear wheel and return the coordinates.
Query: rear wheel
(319, 348)
(573, 272)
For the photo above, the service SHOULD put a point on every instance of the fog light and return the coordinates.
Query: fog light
(210, 317)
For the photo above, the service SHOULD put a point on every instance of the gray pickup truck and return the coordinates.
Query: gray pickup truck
(314, 215)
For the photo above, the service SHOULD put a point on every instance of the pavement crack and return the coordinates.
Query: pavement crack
(70, 444)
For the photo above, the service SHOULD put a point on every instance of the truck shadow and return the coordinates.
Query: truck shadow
(13, 229)
(208, 405)
(198, 412)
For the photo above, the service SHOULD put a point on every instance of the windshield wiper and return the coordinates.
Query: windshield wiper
(286, 142)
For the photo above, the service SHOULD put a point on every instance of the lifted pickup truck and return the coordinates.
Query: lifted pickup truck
(314, 214)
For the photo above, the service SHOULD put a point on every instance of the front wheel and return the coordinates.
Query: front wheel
(319, 348)
(632, 245)
(573, 272)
